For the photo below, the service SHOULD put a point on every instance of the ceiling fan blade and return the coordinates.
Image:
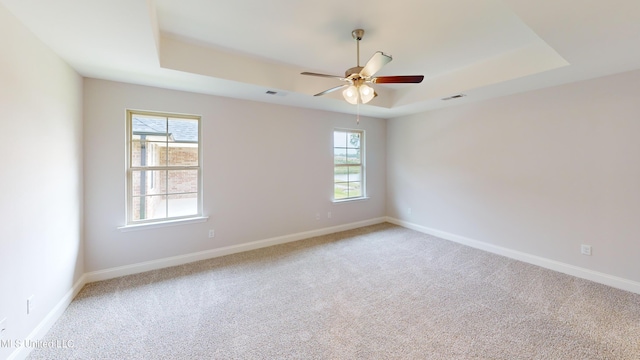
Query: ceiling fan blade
(331, 90)
(403, 79)
(377, 61)
(322, 75)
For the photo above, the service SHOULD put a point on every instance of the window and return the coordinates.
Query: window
(163, 167)
(348, 164)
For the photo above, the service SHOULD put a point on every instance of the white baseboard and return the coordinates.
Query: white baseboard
(602, 278)
(228, 250)
(43, 327)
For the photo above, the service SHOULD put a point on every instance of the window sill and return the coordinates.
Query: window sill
(350, 200)
(159, 224)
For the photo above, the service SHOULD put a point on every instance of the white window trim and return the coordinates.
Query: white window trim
(131, 224)
(361, 198)
(164, 223)
(363, 175)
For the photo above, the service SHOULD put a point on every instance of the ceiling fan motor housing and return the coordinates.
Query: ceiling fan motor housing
(353, 72)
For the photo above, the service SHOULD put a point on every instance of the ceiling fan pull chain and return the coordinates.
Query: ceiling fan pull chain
(358, 113)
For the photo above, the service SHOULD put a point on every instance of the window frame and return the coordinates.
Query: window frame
(361, 165)
(130, 169)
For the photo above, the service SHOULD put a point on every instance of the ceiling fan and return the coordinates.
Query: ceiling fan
(356, 90)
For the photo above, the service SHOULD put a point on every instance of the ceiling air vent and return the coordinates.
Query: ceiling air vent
(457, 96)
(276, 93)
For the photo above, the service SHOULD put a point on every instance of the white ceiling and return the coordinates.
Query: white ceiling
(242, 48)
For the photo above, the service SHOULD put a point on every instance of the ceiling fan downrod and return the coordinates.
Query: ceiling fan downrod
(357, 34)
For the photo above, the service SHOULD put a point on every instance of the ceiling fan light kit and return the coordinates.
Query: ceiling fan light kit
(356, 91)
(361, 94)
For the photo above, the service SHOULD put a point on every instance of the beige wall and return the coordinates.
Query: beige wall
(540, 172)
(267, 173)
(41, 183)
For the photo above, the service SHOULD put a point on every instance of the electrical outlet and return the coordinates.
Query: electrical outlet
(329, 215)
(317, 216)
(585, 249)
(3, 328)
(409, 211)
(30, 305)
(212, 233)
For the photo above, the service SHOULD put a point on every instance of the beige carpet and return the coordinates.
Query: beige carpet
(379, 292)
